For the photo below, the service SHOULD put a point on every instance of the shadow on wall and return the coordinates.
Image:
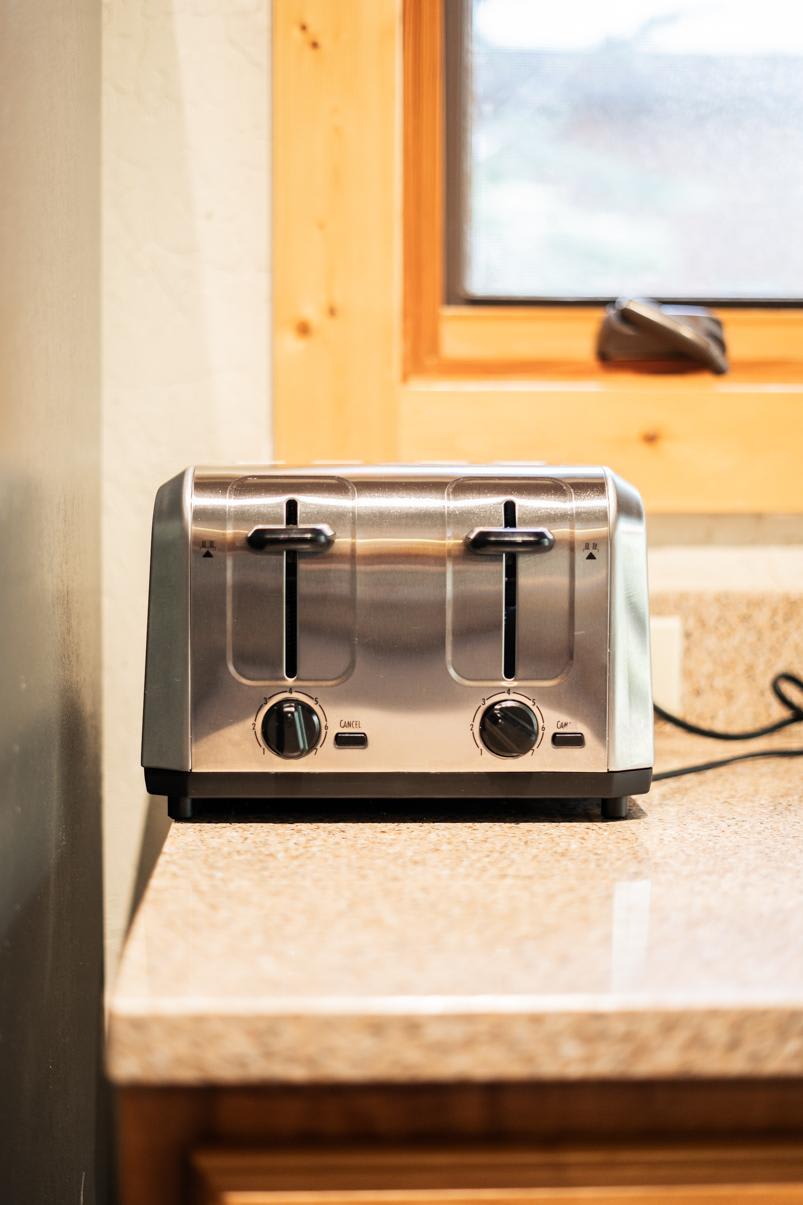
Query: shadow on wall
(54, 1102)
(154, 832)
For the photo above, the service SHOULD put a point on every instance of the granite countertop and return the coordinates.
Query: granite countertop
(541, 942)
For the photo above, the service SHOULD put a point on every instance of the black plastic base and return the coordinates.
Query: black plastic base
(182, 787)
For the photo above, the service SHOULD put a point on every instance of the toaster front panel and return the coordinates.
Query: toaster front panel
(401, 632)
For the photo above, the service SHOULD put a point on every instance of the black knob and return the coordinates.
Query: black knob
(508, 728)
(291, 728)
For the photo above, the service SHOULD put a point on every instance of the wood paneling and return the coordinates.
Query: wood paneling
(336, 228)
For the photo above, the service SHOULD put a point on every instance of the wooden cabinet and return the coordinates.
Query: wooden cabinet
(574, 1176)
(641, 1143)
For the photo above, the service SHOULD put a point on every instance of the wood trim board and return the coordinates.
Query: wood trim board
(568, 1175)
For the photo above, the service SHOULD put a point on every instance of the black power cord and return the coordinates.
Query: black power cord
(795, 716)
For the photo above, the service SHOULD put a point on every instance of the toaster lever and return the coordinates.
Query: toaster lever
(495, 541)
(292, 539)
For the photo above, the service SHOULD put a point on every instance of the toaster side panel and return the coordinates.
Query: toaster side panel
(630, 717)
(166, 713)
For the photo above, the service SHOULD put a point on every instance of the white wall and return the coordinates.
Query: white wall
(185, 328)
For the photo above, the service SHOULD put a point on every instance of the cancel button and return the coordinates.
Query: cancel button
(350, 740)
(568, 740)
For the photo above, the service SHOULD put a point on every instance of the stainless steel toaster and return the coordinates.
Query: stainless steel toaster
(430, 630)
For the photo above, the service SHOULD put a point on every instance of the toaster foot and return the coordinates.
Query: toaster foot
(616, 808)
(179, 807)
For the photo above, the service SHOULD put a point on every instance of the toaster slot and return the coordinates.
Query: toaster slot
(291, 579)
(510, 580)
(291, 596)
(509, 563)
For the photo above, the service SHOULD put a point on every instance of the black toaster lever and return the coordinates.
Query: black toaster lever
(292, 539)
(495, 541)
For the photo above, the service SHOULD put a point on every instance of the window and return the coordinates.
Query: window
(647, 147)
(412, 322)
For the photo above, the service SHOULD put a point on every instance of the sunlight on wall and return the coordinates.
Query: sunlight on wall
(185, 329)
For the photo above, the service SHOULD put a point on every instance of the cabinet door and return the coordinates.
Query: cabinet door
(760, 1175)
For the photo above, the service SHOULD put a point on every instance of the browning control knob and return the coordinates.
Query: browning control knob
(291, 728)
(508, 728)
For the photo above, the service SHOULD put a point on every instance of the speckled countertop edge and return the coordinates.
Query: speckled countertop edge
(458, 1047)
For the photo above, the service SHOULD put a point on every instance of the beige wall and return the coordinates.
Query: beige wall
(185, 327)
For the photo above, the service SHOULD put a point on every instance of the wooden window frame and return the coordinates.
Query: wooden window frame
(370, 363)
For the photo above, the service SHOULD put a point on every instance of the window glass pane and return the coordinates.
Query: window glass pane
(648, 147)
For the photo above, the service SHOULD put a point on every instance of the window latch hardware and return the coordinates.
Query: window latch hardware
(639, 330)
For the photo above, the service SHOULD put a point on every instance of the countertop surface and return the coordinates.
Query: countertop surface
(535, 940)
